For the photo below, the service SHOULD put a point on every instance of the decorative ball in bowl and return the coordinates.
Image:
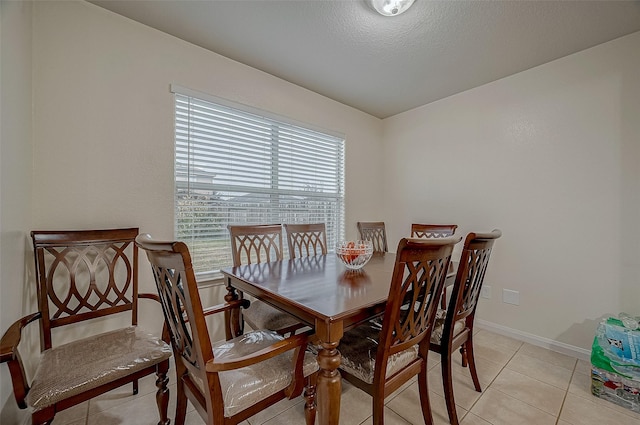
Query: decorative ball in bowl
(354, 254)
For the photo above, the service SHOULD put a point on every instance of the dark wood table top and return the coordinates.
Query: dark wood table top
(318, 287)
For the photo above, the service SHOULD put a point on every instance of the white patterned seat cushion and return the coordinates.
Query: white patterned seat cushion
(88, 363)
(242, 388)
(261, 315)
(359, 346)
(438, 327)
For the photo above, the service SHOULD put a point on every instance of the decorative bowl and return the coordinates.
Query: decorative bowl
(354, 254)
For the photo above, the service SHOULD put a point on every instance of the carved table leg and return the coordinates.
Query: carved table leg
(329, 384)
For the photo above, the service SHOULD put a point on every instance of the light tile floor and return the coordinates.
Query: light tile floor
(522, 384)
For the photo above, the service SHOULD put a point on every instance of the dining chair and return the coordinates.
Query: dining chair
(454, 326)
(375, 232)
(383, 353)
(306, 239)
(230, 380)
(432, 230)
(83, 278)
(256, 244)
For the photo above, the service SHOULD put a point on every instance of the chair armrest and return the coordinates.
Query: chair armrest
(226, 306)
(154, 297)
(9, 354)
(273, 350)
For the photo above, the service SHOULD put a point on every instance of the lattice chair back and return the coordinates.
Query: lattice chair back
(432, 230)
(471, 271)
(379, 356)
(181, 304)
(306, 239)
(256, 243)
(84, 274)
(230, 380)
(454, 326)
(376, 233)
(417, 282)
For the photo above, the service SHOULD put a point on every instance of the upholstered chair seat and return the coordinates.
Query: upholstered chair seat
(242, 388)
(438, 327)
(359, 348)
(88, 363)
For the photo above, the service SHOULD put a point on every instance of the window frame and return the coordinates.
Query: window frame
(338, 231)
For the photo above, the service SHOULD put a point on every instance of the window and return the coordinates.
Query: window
(235, 165)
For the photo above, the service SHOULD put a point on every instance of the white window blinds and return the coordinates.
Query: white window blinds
(234, 166)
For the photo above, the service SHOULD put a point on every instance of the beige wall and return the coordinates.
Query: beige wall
(559, 141)
(552, 157)
(102, 151)
(103, 120)
(15, 173)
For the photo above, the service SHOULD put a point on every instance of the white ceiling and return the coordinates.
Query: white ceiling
(383, 66)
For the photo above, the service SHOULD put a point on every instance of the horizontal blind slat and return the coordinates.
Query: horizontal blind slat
(235, 167)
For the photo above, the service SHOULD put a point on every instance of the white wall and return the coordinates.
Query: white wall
(15, 175)
(552, 157)
(103, 120)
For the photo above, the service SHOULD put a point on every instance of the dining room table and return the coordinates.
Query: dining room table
(324, 295)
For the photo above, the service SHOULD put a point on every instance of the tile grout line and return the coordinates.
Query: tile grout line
(492, 381)
(575, 366)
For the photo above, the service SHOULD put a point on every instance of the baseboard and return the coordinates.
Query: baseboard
(559, 347)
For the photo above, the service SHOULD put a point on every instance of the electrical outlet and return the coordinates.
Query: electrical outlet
(485, 292)
(510, 297)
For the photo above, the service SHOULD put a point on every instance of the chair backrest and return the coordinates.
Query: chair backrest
(418, 278)
(375, 232)
(432, 230)
(306, 239)
(84, 274)
(256, 243)
(471, 271)
(182, 308)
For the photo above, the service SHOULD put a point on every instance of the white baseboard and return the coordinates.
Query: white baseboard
(539, 341)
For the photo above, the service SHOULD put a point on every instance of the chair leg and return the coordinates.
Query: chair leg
(378, 410)
(472, 364)
(310, 398)
(447, 382)
(43, 417)
(162, 395)
(423, 386)
(135, 387)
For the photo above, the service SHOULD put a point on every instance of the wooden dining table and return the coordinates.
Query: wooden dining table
(323, 294)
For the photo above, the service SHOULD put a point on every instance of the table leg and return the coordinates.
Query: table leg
(329, 384)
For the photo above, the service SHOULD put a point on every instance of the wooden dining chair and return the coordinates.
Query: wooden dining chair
(257, 244)
(454, 326)
(432, 230)
(306, 239)
(375, 232)
(84, 277)
(384, 353)
(230, 380)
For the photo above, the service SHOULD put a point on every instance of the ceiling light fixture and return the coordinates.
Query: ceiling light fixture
(391, 7)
